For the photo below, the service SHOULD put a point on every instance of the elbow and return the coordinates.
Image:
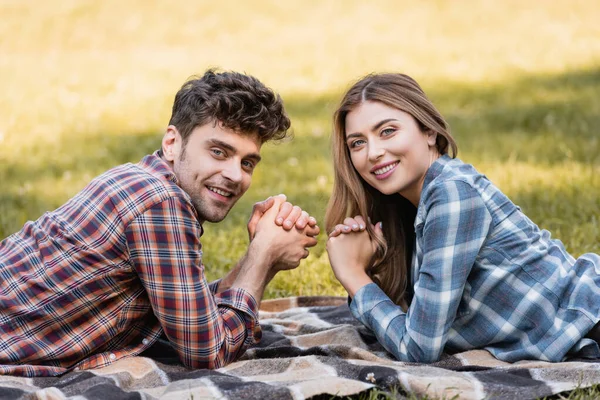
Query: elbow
(417, 354)
(425, 358)
(203, 362)
(217, 358)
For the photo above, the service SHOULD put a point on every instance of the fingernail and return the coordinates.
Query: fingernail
(354, 226)
(362, 227)
(280, 220)
(288, 223)
(381, 225)
(346, 229)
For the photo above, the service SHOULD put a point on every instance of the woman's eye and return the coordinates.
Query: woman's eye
(387, 131)
(356, 143)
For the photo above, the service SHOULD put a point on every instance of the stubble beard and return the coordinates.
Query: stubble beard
(209, 213)
(205, 210)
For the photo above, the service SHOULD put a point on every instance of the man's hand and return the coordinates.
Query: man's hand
(287, 217)
(282, 249)
(272, 248)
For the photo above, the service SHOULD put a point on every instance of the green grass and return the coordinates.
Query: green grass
(85, 86)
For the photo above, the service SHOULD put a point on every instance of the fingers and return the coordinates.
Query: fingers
(284, 211)
(294, 215)
(290, 216)
(378, 229)
(281, 196)
(361, 222)
(263, 206)
(306, 253)
(312, 230)
(258, 211)
(310, 242)
(302, 220)
(339, 229)
(356, 224)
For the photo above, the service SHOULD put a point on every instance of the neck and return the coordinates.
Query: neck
(414, 193)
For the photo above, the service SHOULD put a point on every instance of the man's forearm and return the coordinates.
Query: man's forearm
(228, 279)
(252, 273)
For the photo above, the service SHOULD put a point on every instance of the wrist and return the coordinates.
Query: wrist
(258, 250)
(252, 274)
(354, 283)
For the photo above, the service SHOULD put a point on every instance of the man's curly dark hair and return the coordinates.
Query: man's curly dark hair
(239, 102)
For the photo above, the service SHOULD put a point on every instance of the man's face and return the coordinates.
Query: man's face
(214, 167)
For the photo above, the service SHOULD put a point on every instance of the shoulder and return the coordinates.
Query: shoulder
(459, 186)
(455, 181)
(133, 189)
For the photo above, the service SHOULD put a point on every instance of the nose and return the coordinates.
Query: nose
(233, 172)
(376, 151)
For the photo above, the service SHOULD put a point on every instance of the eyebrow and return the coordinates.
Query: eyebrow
(252, 156)
(374, 128)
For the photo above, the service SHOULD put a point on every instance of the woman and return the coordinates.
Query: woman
(433, 255)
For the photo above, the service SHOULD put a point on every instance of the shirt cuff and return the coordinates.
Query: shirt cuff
(365, 300)
(246, 307)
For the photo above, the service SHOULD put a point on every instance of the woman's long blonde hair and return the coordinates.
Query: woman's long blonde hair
(353, 196)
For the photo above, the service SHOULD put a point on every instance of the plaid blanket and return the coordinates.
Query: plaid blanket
(311, 346)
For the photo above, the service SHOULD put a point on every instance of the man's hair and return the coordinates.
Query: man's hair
(236, 101)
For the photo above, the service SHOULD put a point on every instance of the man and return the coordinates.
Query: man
(120, 264)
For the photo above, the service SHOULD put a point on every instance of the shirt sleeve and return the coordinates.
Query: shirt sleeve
(207, 330)
(456, 225)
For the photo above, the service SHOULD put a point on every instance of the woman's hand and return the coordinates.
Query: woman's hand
(350, 249)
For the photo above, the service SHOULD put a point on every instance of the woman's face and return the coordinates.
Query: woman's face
(389, 150)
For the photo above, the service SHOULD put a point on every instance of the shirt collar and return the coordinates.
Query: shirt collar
(158, 166)
(435, 170)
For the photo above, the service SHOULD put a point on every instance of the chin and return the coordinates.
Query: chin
(214, 217)
(386, 190)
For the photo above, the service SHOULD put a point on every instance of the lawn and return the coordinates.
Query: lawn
(87, 85)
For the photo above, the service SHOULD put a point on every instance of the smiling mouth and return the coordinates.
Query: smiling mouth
(385, 169)
(220, 191)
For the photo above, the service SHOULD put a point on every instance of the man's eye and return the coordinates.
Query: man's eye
(249, 165)
(218, 153)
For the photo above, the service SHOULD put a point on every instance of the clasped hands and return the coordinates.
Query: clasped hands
(350, 249)
(285, 232)
(281, 233)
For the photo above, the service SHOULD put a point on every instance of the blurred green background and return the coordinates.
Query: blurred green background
(87, 85)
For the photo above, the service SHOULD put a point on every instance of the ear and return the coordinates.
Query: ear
(171, 144)
(431, 137)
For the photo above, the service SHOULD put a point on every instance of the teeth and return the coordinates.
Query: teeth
(219, 191)
(385, 169)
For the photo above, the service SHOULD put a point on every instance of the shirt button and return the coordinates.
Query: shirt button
(112, 356)
(145, 342)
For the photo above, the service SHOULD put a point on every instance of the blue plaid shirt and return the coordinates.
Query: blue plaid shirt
(485, 276)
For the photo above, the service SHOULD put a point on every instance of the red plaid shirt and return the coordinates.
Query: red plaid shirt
(103, 276)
